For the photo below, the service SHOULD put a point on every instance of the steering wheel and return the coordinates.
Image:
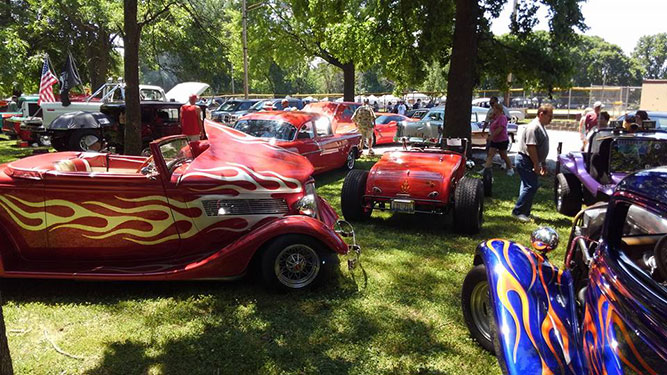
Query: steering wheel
(144, 167)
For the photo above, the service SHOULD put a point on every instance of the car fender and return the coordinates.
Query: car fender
(533, 306)
(234, 258)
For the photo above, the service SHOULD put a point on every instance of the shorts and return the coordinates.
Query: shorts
(501, 146)
(366, 132)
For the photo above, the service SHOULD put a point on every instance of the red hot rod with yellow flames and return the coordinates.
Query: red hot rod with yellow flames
(192, 210)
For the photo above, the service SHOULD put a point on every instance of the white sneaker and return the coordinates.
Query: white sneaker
(522, 218)
(510, 172)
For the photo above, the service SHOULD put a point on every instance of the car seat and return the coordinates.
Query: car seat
(600, 162)
(72, 165)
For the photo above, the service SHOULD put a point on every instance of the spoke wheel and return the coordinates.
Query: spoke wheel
(351, 159)
(297, 266)
(297, 262)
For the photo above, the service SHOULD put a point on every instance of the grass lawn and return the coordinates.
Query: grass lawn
(405, 319)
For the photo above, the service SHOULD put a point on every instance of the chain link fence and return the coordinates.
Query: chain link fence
(572, 102)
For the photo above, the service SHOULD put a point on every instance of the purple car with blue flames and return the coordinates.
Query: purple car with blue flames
(604, 312)
(590, 176)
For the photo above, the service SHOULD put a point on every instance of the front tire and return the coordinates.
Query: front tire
(296, 262)
(469, 205)
(351, 196)
(567, 194)
(477, 311)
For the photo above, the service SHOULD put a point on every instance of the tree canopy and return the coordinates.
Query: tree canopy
(651, 55)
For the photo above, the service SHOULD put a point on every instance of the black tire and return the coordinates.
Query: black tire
(477, 309)
(487, 181)
(351, 159)
(296, 262)
(469, 205)
(374, 139)
(77, 137)
(567, 194)
(351, 196)
(59, 143)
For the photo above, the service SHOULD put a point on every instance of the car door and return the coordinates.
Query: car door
(104, 218)
(332, 147)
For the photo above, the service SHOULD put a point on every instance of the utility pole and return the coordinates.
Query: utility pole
(244, 15)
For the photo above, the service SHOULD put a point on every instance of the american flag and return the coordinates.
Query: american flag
(46, 84)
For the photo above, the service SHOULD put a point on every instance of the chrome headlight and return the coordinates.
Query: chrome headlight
(307, 205)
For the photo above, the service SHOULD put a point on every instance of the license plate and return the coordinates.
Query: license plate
(403, 205)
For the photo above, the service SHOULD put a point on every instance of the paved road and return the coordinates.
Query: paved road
(570, 139)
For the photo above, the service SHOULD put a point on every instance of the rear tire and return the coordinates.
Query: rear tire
(487, 181)
(469, 205)
(296, 262)
(567, 194)
(351, 159)
(351, 196)
(374, 140)
(476, 306)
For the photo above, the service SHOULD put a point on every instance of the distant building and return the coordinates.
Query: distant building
(654, 95)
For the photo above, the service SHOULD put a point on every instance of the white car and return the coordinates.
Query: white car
(115, 91)
(515, 114)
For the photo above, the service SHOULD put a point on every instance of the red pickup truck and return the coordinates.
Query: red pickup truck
(308, 134)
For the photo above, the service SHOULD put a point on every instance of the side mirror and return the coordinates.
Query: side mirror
(544, 239)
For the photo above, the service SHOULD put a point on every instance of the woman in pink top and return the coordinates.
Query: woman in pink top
(498, 139)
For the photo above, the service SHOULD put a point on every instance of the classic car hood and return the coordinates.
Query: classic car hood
(234, 155)
(414, 174)
(181, 92)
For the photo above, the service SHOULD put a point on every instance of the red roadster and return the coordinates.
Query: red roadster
(308, 134)
(429, 181)
(198, 210)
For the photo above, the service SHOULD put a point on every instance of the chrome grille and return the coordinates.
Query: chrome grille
(224, 207)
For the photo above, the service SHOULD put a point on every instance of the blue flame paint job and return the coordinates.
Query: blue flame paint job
(620, 329)
(534, 311)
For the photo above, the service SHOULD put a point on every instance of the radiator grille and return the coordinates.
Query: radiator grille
(223, 207)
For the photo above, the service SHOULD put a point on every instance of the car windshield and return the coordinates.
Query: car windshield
(229, 106)
(435, 116)
(259, 105)
(277, 129)
(152, 94)
(175, 151)
(383, 119)
(630, 155)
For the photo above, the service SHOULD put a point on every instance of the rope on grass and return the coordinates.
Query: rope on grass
(46, 335)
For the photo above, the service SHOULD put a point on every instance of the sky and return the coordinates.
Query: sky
(620, 22)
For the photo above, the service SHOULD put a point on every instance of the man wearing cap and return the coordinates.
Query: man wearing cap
(285, 104)
(192, 124)
(590, 121)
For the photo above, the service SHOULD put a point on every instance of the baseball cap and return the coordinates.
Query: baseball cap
(193, 96)
(598, 104)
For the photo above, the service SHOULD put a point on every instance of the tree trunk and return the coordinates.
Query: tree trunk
(348, 82)
(5, 358)
(132, 136)
(462, 71)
